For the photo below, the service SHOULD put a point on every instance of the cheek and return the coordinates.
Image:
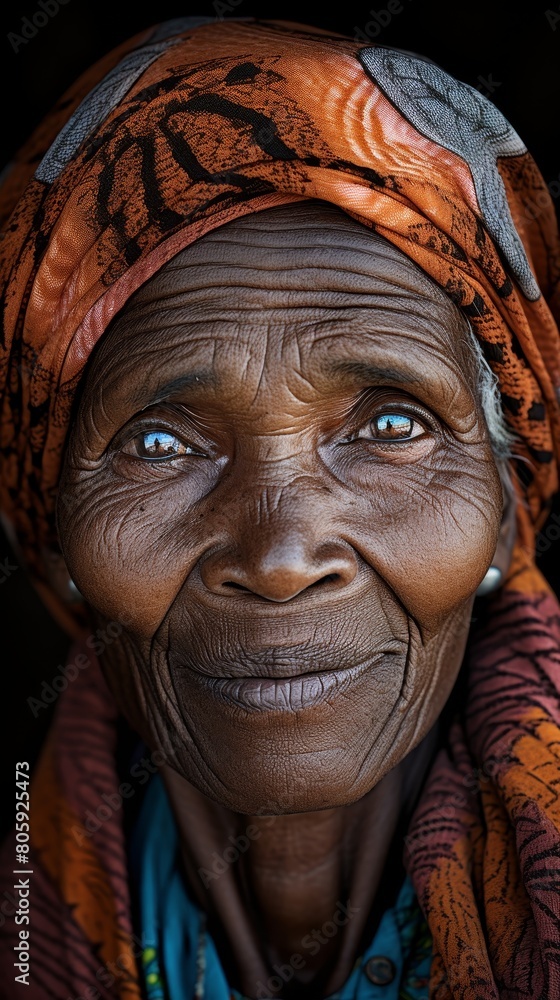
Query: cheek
(435, 533)
(129, 547)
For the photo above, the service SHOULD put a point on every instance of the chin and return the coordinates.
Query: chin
(321, 782)
(274, 760)
(273, 745)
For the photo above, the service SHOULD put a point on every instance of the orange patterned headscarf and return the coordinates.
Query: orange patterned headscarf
(192, 124)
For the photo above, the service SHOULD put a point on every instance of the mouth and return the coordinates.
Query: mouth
(285, 694)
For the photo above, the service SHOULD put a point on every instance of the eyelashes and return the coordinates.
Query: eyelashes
(378, 419)
(159, 444)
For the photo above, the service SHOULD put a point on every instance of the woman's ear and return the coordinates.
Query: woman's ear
(506, 539)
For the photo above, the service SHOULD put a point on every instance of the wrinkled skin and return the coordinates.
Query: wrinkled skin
(295, 566)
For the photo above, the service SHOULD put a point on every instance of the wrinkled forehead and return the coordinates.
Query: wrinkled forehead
(300, 272)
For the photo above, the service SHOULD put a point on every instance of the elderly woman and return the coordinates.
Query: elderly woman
(279, 400)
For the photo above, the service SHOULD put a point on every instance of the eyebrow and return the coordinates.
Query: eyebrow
(200, 379)
(374, 374)
(363, 370)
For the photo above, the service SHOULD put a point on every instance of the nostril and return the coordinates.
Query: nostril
(329, 578)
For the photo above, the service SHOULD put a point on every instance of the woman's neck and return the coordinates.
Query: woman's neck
(292, 896)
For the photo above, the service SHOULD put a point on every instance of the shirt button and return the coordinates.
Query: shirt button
(380, 970)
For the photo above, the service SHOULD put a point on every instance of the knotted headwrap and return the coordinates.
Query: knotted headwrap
(180, 130)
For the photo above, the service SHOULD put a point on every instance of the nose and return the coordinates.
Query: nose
(278, 569)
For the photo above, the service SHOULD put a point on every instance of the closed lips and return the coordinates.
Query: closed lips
(285, 663)
(289, 693)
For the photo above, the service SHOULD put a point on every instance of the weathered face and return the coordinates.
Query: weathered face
(280, 478)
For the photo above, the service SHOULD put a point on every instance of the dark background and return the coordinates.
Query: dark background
(511, 54)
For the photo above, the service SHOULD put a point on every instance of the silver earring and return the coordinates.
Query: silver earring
(491, 581)
(73, 592)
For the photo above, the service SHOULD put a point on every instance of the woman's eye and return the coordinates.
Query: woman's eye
(391, 427)
(158, 444)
